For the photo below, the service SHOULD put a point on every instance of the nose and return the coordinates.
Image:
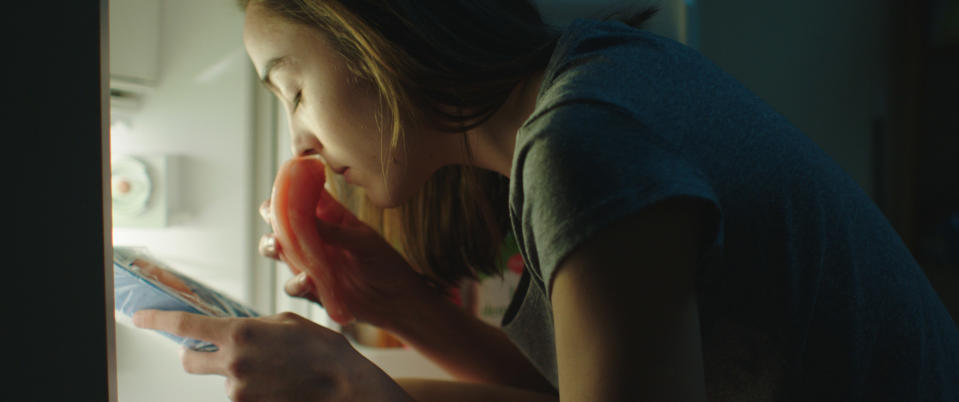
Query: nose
(304, 143)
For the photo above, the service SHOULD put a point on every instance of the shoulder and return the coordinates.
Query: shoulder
(589, 165)
(589, 37)
(606, 76)
(600, 143)
(610, 58)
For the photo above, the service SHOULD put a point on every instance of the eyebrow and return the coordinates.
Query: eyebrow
(276, 61)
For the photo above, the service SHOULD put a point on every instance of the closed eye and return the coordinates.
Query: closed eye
(297, 99)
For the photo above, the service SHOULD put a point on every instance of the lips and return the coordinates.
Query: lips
(342, 171)
(336, 168)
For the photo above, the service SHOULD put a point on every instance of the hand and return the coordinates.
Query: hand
(373, 279)
(283, 357)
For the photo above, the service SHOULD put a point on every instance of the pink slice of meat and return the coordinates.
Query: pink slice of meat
(297, 195)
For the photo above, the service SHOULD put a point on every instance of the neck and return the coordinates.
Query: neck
(494, 141)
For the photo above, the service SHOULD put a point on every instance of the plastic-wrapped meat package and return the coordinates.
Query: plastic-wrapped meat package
(142, 282)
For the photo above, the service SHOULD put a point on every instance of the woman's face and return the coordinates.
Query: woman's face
(333, 115)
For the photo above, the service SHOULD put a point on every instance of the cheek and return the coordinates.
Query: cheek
(348, 139)
(354, 125)
(397, 189)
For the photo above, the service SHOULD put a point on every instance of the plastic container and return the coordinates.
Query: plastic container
(142, 282)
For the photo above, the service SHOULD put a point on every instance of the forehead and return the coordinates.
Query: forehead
(267, 35)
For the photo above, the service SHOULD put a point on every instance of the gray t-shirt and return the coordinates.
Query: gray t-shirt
(805, 290)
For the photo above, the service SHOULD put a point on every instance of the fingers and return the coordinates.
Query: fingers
(336, 309)
(195, 362)
(269, 247)
(265, 212)
(182, 324)
(304, 286)
(300, 286)
(332, 300)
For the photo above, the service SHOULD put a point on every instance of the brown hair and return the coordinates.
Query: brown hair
(450, 64)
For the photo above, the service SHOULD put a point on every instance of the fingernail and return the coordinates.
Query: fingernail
(268, 245)
(305, 285)
(296, 286)
(265, 211)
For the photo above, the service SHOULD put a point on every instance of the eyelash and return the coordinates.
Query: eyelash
(296, 99)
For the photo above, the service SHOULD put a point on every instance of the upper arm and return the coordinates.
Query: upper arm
(625, 310)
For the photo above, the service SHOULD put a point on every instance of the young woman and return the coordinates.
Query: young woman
(682, 240)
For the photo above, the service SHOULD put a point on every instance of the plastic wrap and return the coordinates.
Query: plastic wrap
(141, 282)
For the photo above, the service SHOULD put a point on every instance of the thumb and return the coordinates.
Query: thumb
(344, 235)
(331, 210)
(335, 308)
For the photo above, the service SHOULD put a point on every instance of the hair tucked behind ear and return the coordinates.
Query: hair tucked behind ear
(449, 64)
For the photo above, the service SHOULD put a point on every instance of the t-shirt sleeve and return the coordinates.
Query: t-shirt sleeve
(586, 164)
